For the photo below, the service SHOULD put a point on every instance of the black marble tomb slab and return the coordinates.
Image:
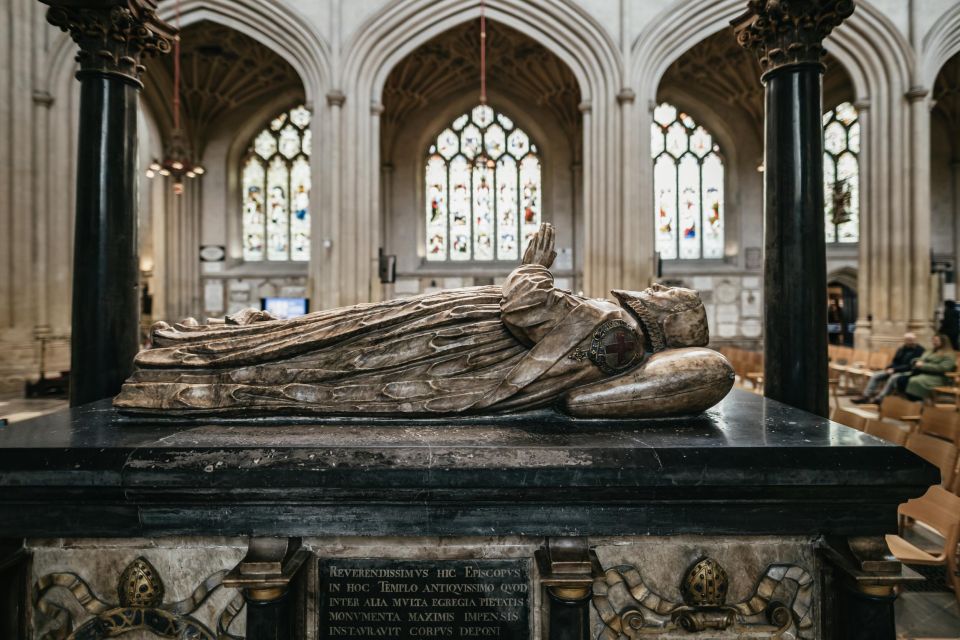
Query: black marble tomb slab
(748, 466)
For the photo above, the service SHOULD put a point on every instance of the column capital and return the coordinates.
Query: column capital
(626, 96)
(336, 98)
(376, 108)
(787, 33)
(916, 93)
(114, 36)
(585, 106)
(568, 568)
(42, 98)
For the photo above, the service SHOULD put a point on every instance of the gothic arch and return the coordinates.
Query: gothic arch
(347, 268)
(671, 33)
(275, 25)
(940, 44)
(847, 276)
(880, 64)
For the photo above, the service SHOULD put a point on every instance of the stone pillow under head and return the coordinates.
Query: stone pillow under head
(658, 387)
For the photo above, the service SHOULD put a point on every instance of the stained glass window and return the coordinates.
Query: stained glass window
(841, 173)
(687, 186)
(275, 179)
(483, 189)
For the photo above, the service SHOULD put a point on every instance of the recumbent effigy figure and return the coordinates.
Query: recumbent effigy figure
(469, 351)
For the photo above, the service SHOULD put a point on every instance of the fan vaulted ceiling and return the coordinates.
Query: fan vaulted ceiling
(449, 65)
(221, 70)
(718, 69)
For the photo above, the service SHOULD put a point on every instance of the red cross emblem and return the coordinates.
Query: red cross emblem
(622, 348)
(616, 347)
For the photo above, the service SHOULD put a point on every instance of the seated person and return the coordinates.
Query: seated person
(883, 382)
(930, 370)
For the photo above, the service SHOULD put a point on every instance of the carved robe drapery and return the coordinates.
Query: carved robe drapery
(477, 349)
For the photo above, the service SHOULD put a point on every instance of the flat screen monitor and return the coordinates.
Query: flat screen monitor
(286, 307)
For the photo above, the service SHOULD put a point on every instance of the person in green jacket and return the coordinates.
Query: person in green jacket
(930, 369)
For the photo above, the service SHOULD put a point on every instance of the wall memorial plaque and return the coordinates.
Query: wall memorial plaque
(400, 599)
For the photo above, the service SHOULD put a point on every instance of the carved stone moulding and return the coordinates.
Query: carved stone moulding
(114, 36)
(789, 32)
(779, 607)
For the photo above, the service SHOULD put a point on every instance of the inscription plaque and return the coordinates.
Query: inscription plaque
(400, 599)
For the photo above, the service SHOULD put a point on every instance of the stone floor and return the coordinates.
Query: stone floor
(17, 409)
(927, 616)
(921, 615)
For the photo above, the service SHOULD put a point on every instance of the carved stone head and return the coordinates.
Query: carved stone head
(672, 317)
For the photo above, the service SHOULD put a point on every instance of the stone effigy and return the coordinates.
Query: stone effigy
(469, 351)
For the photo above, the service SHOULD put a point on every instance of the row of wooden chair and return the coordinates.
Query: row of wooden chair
(848, 368)
(938, 510)
(893, 408)
(933, 433)
(748, 365)
(852, 368)
(949, 392)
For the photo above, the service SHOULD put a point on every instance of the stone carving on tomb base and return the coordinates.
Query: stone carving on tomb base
(140, 593)
(477, 350)
(780, 606)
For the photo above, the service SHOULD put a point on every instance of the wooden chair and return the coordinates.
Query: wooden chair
(937, 510)
(955, 489)
(895, 407)
(942, 423)
(848, 418)
(951, 391)
(753, 370)
(740, 359)
(876, 361)
(937, 452)
(841, 358)
(953, 563)
(888, 431)
(855, 366)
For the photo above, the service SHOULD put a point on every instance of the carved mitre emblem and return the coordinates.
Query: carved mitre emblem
(616, 347)
(139, 585)
(705, 584)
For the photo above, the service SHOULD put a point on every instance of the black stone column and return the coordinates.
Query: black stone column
(787, 38)
(113, 37)
(858, 598)
(567, 569)
(264, 576)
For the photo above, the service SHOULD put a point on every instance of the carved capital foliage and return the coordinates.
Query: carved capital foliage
(115, 37)
(787, 32)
